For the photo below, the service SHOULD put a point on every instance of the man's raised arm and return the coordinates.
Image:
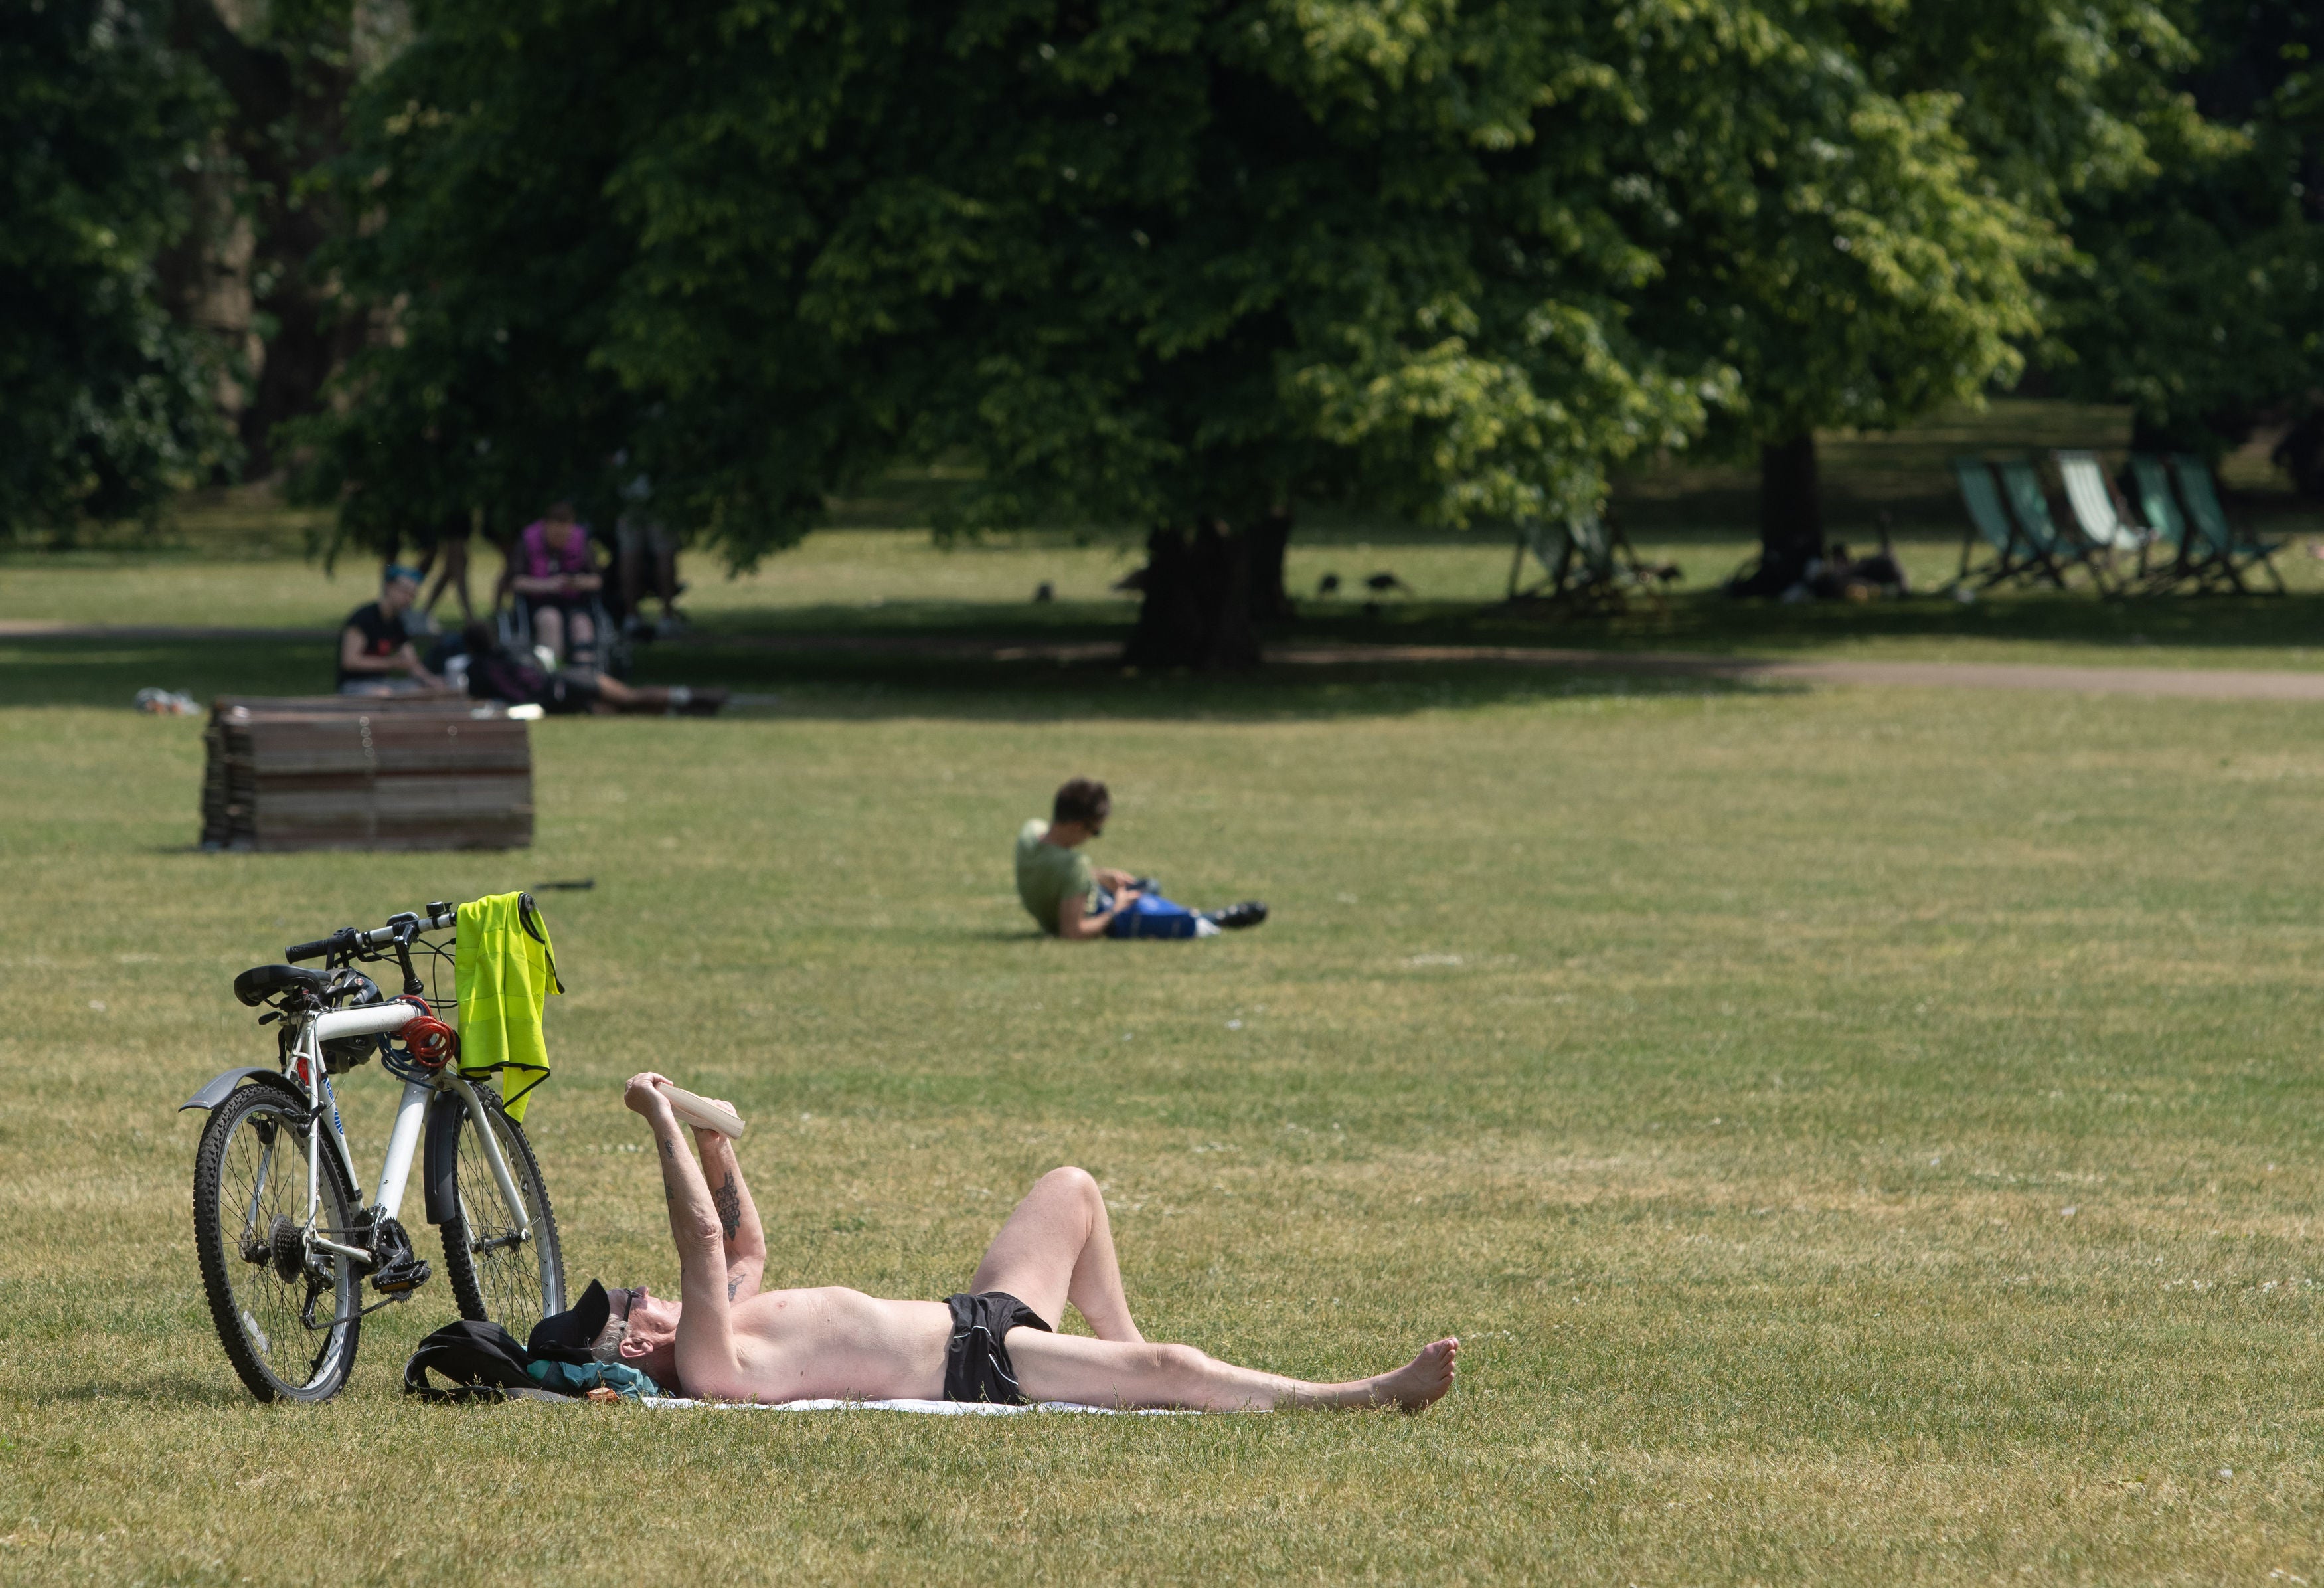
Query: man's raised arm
(706, 1341)
(738, 1215)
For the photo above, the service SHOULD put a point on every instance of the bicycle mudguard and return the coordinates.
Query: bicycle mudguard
(215, 1092)
(444, 1117)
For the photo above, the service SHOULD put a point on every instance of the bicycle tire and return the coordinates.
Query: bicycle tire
(250, 1295)
(492, 1278)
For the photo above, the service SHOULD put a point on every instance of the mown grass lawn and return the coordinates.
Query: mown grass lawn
(1857, 1135)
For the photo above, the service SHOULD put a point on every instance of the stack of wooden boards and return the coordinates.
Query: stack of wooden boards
(339, 771)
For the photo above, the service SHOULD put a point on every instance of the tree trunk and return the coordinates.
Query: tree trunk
(286, 108)
(1791, 516)
(1269, 537)
(1196, 614)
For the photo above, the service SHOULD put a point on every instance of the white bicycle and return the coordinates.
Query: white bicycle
(285, 1244)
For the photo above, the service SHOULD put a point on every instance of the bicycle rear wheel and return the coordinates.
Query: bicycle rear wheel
(497, 1272)
(289, 1319)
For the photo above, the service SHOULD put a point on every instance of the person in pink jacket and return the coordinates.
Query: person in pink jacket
(557, 580)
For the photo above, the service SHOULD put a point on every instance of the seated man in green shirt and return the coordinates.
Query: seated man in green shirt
(1075, 900)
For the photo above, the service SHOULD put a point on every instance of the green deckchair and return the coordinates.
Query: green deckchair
(2031, 505)
(1586, 561)
(2014, 557)
(2231, 552)
(2098, 510)
(2160, 508)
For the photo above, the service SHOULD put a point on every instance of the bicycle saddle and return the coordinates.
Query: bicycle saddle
(261, 982)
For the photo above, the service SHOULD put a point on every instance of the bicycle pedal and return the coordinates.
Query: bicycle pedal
(401, 1270)
(402, 1277)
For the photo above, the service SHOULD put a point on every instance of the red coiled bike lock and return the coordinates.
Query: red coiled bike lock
(433, 1043)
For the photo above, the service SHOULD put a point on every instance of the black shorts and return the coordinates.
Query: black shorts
(569, 695)
(976, 1357)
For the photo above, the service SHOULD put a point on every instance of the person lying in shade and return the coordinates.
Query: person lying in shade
(498, 673)
(1075, 900)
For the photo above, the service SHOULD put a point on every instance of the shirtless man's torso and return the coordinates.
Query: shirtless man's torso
(832, 1342)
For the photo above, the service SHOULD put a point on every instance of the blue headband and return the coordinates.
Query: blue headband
(396, 570)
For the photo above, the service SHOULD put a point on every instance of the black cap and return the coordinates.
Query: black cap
(591, 1330)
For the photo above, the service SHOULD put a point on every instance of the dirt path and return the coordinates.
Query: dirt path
(2186, 683)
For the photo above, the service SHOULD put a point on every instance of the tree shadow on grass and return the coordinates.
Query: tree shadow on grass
(1707, 621)
(107, 674)
(1699, 620)
(1051, 692)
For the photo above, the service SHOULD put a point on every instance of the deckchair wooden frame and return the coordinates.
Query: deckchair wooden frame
(1587, 562)
(2015, 557)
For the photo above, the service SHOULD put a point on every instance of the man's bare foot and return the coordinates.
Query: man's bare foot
(1420, 1382)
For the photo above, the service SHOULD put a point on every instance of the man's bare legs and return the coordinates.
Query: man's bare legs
(1104, 1373)
(1057, 1247)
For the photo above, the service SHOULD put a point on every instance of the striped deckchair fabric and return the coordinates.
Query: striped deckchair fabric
(2031, 505)
(2095, 512)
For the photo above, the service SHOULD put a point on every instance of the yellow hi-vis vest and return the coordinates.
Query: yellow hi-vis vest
(504, 971)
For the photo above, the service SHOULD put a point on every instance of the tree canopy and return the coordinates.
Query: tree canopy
(1180, 265)
(1143, 263)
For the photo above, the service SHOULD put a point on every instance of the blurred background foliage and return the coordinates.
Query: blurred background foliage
(1181, 266)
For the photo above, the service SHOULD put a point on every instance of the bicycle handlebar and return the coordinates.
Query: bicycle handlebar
(435, 919)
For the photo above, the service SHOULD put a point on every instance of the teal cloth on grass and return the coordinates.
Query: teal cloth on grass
(565, 1378)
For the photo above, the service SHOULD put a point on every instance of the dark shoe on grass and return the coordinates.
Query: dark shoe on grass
(1235, 916)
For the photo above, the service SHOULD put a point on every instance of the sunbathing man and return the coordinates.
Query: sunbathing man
(729, 1340)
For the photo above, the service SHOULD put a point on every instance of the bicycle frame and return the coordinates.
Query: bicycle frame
(403, 1139)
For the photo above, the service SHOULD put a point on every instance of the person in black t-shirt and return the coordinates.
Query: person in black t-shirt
(375, 648)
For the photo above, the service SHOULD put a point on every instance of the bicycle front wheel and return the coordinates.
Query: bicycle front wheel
(290, 1316)
(503, 1267)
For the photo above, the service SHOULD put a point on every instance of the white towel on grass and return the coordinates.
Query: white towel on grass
(943, 1409)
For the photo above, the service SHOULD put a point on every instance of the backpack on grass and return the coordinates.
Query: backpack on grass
(484, 1362)
(481, 1360)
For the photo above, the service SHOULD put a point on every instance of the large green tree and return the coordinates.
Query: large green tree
(1186, 265)
(1172, 263)
(109, 404)
(1874, 201)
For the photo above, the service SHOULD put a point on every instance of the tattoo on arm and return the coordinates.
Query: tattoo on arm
(734, 1285)
(729, 1198)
